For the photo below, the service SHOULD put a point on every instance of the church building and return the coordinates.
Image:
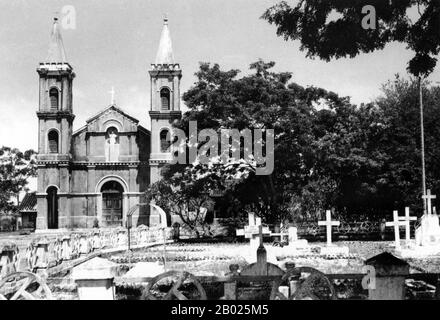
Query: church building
(93, 176)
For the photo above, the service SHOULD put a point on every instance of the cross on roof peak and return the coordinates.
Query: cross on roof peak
(112, 92)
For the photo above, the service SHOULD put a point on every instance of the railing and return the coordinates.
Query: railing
(44, 253)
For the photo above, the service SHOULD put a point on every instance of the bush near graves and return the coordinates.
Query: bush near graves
(183, 202)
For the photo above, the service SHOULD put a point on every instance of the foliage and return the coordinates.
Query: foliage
(189, 206)
(16, 168)
(261, 100)
(333, 28)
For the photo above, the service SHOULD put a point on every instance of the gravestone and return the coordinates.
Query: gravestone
(8, 259)
(66, 252)
(330, 248)
(252, 231)
(94, 279)
(158, 217)
(428, 233)
(407, 220)
(261, 267)
(145, 270)
(296, 246)
(396, 223)
(390, 274)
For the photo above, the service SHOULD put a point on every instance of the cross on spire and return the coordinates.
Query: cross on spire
(165, 52)
(56, 51)
(328, 223)
(112, 92)
(428, 197)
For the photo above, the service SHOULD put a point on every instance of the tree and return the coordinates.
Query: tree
(262, 100)
(333, 28)
(401, 177)
(16, 168)
(190, 206)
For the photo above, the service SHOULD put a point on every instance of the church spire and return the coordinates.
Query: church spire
(165, 52)
(56, 52)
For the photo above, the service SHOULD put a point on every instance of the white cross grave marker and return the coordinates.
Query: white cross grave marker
(396, 224)
(428, 197)
(328, 223)
(406, 220)
(252, 231)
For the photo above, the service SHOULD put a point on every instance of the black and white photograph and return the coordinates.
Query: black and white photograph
(236, 151)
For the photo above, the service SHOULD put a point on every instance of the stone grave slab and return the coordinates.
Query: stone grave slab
(145, 270)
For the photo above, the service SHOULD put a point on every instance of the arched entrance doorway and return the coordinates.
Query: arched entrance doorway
(112, 203)
(52, 208)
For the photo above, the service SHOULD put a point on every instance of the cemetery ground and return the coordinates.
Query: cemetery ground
(214, 258)
(157, 262)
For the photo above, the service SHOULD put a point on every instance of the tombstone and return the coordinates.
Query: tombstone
(251, 232)
(390, 274)
(143, 234)
(66, 249)
(158, 216)
(94, 279)
(330, 248)
(84, 244)
(295, 243)
(8, 259)
(121, 237)
(407, 220)
(145, 270)
(96, 240)
(428, 232)
(396, 223)
(261, 267)
(41, 263)
(57, 250)
(74, 245)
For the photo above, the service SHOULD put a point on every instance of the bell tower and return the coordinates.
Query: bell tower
(165, 77)
(55, 120)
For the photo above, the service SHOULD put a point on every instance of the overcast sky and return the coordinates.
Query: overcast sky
(116, 40)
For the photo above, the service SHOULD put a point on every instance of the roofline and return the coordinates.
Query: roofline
(112, 106)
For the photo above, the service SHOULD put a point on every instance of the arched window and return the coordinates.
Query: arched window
(165, 98)
(53, 141)
(53, 95)
(164, 141)
(52, 207)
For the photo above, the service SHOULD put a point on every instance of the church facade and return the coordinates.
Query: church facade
(95, 175)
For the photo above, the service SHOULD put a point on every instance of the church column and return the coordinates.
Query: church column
(64, 214)
(91, 200)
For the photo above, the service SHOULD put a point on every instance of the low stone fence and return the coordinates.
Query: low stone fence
(43, 253)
